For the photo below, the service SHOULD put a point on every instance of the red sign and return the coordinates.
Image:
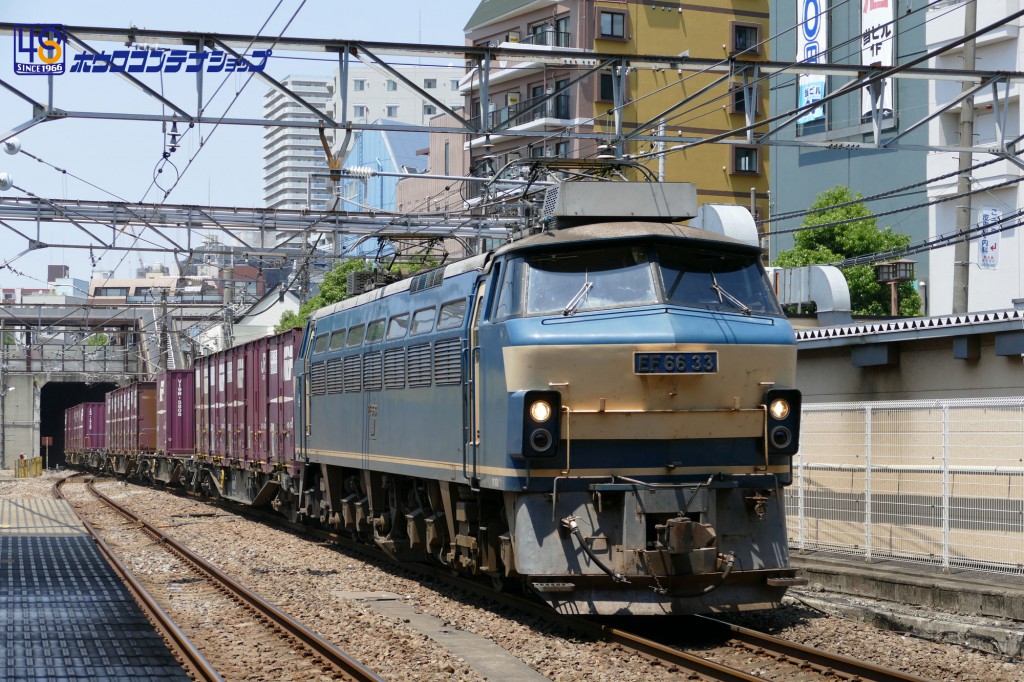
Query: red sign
(47, 441)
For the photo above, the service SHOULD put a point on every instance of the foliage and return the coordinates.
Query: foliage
(861, 236)
(97, 340)
(334, 288)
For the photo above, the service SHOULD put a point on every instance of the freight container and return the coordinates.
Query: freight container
(201, 371)
(92, 426)
(72, 432)
(131, 422)
(175, 412)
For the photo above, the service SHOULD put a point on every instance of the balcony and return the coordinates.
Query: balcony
(549, 38)
(523, 112)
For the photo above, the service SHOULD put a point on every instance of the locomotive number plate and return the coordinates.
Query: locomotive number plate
(704, 362)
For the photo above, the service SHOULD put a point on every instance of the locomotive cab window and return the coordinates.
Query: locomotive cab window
(375, 331)
(716, 281)
(337, 340)
(397, 327)
(423, 321)
(566, 283)
(321, 343)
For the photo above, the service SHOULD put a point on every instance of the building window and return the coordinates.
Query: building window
(359, 111)
(447, 157)
(429, 83)
(455, 84)
(392, 110)
(429, 110)
(738, 104)
(390, 85)
(607, 92)
(537, 152)
(562, 149)
(745, 38)
(613, 25)
(359, 84)
(745, 160)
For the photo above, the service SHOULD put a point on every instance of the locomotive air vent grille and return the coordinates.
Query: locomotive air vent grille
(318, 379)
(448, 362)
(353, 373)
(419, 365)
(426, 280)
(394, 368)
(372, 376)
(335, 378)
(550, 202)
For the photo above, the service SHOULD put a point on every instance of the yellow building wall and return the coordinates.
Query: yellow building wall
(705, 31)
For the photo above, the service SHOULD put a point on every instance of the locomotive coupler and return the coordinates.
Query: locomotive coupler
(759, 503)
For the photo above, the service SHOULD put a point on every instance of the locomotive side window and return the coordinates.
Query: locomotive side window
(321, 343)
(375, 331)
(355, 336)
(566, 283)
(337, 340)
(453, 314)
(509, 295)
(423, 321)
(716, 280)
(398, 325)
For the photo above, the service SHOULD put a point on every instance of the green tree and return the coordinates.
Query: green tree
(333, 289)
(99, 339)
(831, 243)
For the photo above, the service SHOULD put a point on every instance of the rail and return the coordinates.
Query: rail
(194, 661)
(348, 666)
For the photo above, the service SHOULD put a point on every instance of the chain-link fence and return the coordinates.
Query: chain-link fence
(939, 482)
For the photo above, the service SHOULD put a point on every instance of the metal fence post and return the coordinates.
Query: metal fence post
(945, 488)
(800, 501)
(867, 484)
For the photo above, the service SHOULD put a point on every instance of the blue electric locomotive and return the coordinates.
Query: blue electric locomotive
(604, 411)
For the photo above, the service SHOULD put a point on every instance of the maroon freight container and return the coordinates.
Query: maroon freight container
(71, 429)
(282, 351)
(92, 426)
(201, 370)
(236, 407)
(175, 412)
(131, 418)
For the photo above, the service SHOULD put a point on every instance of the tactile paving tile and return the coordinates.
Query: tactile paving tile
(64, 614)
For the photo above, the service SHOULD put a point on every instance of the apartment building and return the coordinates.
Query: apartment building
(546, 97)
(293, 157)
(996, 254)
(294, 163)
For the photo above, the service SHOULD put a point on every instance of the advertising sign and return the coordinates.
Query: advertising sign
(877, 38)
(811, 47)
(988, 245)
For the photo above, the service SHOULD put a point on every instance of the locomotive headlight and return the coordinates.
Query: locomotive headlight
(779, 409)
(540, 411)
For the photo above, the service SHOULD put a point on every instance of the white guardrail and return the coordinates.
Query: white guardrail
(938, 482)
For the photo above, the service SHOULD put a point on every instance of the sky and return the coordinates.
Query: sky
(117, 159)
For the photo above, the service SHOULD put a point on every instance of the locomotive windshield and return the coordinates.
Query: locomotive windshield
(586, 280)
(716, 280)
(566, 283)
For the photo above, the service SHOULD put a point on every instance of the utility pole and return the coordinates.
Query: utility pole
(962, 248)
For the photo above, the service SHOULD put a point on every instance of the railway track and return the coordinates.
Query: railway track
(187, 585)
(741, 650)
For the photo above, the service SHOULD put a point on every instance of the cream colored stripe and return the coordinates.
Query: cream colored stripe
(504, 471)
